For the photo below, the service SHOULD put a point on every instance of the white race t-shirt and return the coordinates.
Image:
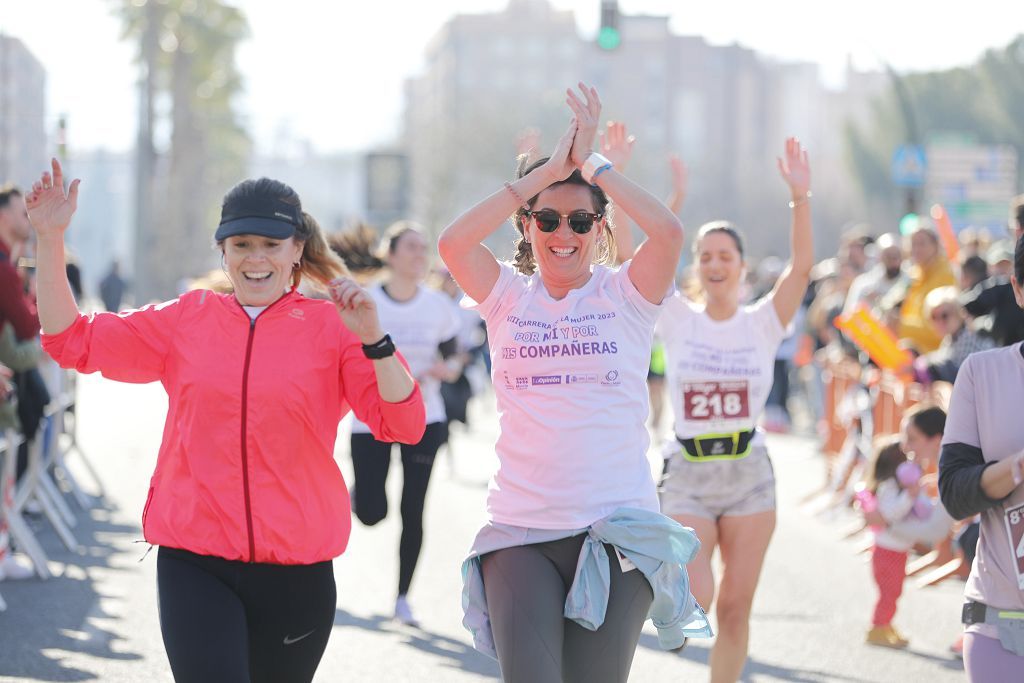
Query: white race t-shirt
(719, 373)
(417, 327)
(570, 381)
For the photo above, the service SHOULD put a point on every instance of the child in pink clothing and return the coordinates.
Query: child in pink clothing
(893, 489)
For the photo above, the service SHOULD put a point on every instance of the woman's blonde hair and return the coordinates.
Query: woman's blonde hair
(940, 296)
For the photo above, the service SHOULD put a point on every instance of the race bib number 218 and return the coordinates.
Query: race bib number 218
(707, 401)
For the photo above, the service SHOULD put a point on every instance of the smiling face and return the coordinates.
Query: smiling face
(720, 266)
(564, 257)
(260, 268)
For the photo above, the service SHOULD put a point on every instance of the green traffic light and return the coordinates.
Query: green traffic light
(909, 224)
(608, 38)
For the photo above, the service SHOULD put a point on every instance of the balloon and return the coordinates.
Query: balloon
(945, 230)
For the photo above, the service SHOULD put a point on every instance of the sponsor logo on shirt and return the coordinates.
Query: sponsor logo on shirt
(540, 380)
(514, 384)
(298, 314)
(582, 378)
(611, 379)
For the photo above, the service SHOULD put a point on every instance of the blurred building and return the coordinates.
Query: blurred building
(331, 186)
(101, 232)
(725, 109)
(22, 113)
(486, 77)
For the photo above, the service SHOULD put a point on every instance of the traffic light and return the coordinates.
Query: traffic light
(909, 223)
(609, 37)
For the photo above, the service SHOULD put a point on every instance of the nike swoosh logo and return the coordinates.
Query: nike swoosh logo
(288, 640)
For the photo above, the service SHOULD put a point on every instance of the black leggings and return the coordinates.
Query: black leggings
(225, 621)
(371, 460)
(526, 587)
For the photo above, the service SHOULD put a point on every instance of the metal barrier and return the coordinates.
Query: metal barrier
(56, 440)
(891, 398)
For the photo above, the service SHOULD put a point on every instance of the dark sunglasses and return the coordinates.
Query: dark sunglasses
(943, 316)
(580, 222)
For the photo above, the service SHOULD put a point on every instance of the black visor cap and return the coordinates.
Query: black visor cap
(264, 216)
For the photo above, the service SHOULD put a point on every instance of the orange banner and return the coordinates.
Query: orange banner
(876, 340)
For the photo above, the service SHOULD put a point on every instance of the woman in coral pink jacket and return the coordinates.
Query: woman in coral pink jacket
(246, 503)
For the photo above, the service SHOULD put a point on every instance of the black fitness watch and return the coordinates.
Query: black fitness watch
(385, 348)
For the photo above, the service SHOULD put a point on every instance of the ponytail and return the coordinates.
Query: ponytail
(318, 262)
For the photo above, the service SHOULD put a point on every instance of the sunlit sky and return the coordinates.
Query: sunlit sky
(331, 73)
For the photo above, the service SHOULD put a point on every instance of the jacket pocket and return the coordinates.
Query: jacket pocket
(145, 510)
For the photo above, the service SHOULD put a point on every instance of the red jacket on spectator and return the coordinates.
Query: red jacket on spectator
(15, 307)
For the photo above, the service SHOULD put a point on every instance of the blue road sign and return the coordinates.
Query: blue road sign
(908, 166)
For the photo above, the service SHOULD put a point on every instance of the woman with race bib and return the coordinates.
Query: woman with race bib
(720, 359)
(575, 555)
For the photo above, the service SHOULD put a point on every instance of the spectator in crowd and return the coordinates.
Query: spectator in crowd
(992, 302)
(15, 230)
(959, 340)
(894, 498)
(15, 356)
(999, 258)
(974, 241)
(112, 287)
(887, 274)
(854, 247)
(930, 270)
(74, 272)
(1016, 222)
(973, 271)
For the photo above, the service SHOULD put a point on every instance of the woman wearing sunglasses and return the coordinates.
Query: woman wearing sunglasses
(559, 581)
(720, 364)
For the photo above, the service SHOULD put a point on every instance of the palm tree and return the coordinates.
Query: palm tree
(194, 68)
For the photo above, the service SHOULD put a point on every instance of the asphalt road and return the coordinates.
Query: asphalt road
(97, 618)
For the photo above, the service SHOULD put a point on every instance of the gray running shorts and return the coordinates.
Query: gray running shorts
(718, 488)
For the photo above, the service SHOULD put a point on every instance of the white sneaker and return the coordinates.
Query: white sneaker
(403, 612)
(15, 570)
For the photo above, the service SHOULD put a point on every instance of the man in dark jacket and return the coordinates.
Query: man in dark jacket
(994, 296)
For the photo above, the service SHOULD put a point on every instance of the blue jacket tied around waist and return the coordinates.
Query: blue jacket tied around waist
(658, 546)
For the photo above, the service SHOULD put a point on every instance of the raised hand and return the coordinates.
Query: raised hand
(49, 207)
(559, 165)
(795, 169)
(680, 182)
(528, 142)
(615, 144)
(587, 112)
(357, 309)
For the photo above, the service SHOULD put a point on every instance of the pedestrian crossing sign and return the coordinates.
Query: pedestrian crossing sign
(908, 166)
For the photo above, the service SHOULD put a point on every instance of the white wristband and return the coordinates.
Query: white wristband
(593, 165)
